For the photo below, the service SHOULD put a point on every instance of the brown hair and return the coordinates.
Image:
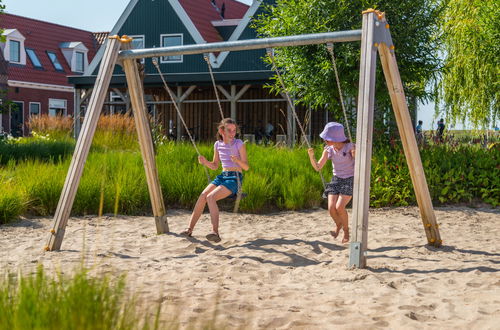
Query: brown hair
(223, 124)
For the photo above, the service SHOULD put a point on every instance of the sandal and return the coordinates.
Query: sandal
(213, 237)
(188, 232)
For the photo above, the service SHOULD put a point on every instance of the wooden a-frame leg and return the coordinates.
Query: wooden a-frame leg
(145, 140)
(83, 145)
(405, 127)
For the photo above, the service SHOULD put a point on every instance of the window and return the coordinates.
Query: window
(79, 62)
(169, 41)
(138, 43)
(34, 109)
(34, 59)
(57, 107)
(55, 61)
(15, 51)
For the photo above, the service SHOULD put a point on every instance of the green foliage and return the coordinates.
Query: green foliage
(81, 302)
(471, 79)
(307, 70)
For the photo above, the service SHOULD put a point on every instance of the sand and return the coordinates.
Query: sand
(284, 270)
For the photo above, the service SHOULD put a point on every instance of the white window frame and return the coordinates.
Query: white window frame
(39, 108)
(139, 36)
(65, 106)
(163, 58)
(18, 60)
(13, 35)
(77, 69)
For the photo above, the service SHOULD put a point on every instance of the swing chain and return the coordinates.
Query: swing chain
(329, 46)
(172, 97)
(207, 59)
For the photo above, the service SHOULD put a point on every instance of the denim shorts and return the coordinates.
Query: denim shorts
(229, 180)
(339, 186)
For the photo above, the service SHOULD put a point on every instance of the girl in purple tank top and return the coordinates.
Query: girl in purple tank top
(339, 191)
(232, 154)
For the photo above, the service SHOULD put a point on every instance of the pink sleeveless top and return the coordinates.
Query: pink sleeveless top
(227, 150)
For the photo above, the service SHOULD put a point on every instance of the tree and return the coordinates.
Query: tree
(307, 70)
(470, 84)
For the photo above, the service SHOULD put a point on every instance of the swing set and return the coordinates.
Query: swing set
(375, 38)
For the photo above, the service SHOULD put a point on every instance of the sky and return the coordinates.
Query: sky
(101, 15)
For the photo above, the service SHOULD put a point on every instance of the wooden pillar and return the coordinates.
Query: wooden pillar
(233, 102)
(364, 132)
(179, 106)
(405, 127)
(136, 94)
(291, 125)
(83, 145)
(77, 108)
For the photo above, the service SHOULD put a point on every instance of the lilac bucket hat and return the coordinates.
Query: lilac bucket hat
(333, 132)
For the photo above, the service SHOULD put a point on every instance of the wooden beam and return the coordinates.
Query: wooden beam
(405, 127)
(364, 132)
(136, 92)
(83, 145)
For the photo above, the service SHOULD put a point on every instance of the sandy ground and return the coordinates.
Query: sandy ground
(284, 270)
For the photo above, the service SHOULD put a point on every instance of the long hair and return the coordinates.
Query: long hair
(223, 124)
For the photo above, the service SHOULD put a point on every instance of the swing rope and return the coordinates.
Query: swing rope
(172, 97)
(215, 86)
(292, 106)
(239, 193)
(329, 46)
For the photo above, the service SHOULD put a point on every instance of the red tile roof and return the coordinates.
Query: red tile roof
(203, 12)
(41, 37)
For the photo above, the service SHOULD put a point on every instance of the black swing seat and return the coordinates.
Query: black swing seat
(233, 196)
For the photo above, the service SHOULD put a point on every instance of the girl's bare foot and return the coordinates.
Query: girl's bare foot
(335, 232)
(346, 236)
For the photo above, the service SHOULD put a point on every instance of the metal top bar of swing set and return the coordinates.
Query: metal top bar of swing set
(297, 40)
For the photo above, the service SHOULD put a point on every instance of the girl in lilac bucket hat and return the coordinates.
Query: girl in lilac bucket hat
(339, 191)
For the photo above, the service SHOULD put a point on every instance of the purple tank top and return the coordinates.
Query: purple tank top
(343, 162)
(227, 150)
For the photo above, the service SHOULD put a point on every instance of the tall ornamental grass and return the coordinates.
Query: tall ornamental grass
(278, 179)
(78, 302)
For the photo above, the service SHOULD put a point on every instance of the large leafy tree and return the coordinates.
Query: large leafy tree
(308, 72)
(471, 76)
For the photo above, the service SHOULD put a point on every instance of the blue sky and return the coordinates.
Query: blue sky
(101, 15)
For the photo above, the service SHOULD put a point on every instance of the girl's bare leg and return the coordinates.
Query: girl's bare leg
(200, 206)
(218, 193)
(342, 202)
(332, 202)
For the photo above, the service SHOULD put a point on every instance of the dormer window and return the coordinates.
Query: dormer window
(15, 51)
(13, 48)
(75, 54)
(79, 63)
(55, 62)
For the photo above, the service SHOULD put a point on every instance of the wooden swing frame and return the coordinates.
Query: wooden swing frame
(375, 37)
